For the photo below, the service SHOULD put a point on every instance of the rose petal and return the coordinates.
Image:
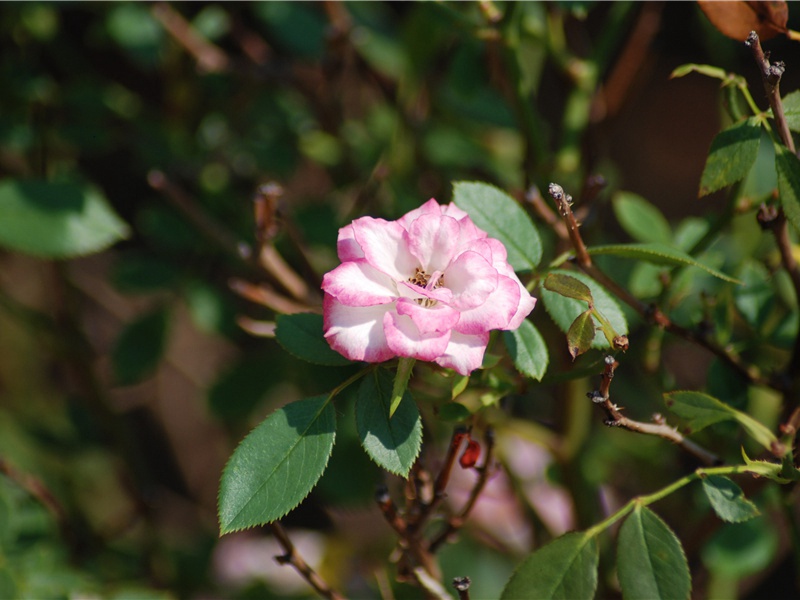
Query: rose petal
(384, 247)
(356, 332)
(357, 283)
(406, 289)
(346, 245)
(471, 279)
(405, 339)
(496, 313)
(526, 304)
(432, 239)
(464, 353)
(433, 319)
(431, 207)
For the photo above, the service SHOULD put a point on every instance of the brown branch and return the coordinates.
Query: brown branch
(650, 313)
(210, 58)
(456, 522)
(615, 418)
(771, 78)
(34, 486)
(462, 587)
(293, 557)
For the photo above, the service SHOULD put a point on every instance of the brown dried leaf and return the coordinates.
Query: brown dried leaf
(737, 19)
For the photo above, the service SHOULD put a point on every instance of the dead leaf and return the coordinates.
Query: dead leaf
(737, 19)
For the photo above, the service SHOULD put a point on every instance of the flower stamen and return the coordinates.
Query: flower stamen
(428, 281)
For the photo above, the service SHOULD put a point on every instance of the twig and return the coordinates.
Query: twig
(650, 313)
(34, 486)
(615, 418)
(456, 522)
(462, 587)
(293, 557)
(210, 58)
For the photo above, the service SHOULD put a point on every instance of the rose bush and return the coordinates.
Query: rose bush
(429, 286)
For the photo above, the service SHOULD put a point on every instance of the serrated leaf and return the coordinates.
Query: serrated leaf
(393, 442)
(301, 336)
(787, 166)
(702, 410)
(528, 350)
(650, 560)
(57, 220)
(728, 500)
(568, 286)
(566, 568)
(499, 215)
(733, 151)
(707, 70)
(277, 464)
(641, 220)
(657, 254)
(791, 110)
(140, 347)
(564, 311)
(580, 334)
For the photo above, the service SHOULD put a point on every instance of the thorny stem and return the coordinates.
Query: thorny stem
(293, 557)
(457, 521)
(650, 313)
(462, 587)
(615, 418)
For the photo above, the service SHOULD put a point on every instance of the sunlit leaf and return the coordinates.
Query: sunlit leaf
(650, 560)
(566, 568)
(56, 220)
(641, 220)
(502, 218)
(528, 350)
(301, 335)
(568, 286)
(728, 500)
(275, 467)
(733, 151)
(392, 442)
(657, 254)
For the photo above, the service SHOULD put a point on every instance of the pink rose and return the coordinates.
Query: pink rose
(430, 285)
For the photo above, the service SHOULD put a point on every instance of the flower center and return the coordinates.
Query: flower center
(423, 280)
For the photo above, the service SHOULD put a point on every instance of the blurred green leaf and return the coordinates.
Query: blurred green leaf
(392, 442)
(56, 220)
(641, 220)
(564, 310)
(275, 467)
(580, 334)
(741, 549)
(301, 336)
(565, 568)
(733, 151)
(707, 70)
(134, 28)
(528, 350)
(788, 167)
(140, 346)
(499, 215)
(791, 110)
(657, 254)
(728, 500)
(650, 559)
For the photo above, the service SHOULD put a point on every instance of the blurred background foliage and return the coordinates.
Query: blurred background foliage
(127, 376)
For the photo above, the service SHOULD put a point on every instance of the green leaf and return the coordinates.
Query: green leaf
(568, 286)
(277, 464)
(301, 336)
(528, 350)
(581, 334)
(57, 220)
(740, 549)
(650, 559)
(733, 151)
(788, 168)
(641, 220)
(791, 110)
(706, 70)
(565, 568)
(728, 500)
(140, 346)
(499, 215)
(657, 254)
(564, 311)
(702, 410)
(393, 442)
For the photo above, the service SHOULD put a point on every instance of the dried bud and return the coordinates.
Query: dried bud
(621, 343)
